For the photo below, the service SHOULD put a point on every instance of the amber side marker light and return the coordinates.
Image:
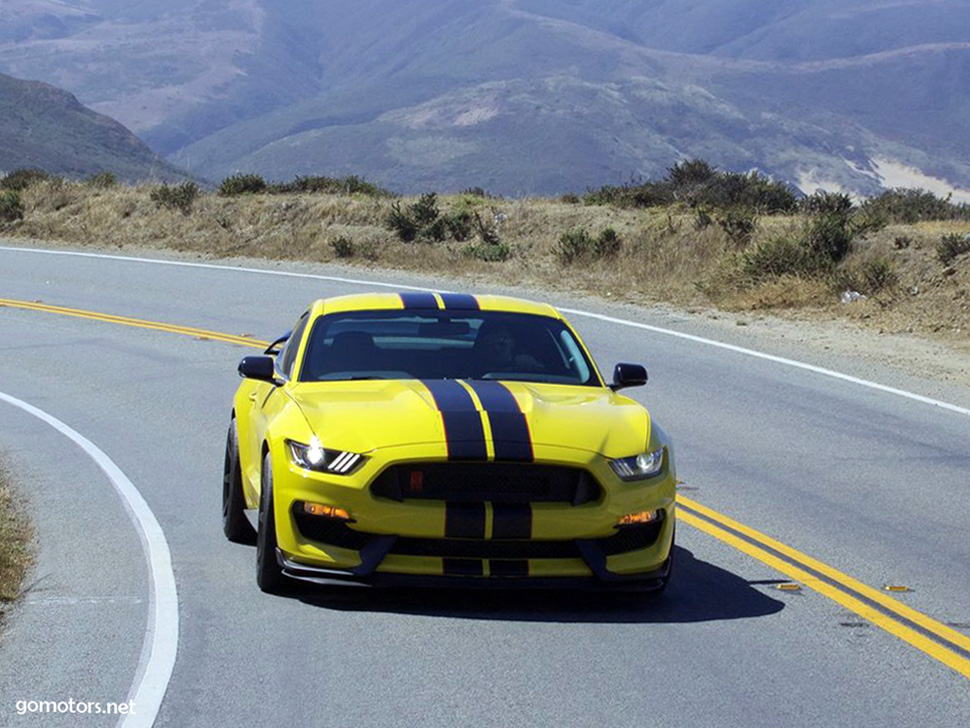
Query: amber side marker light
(318, 509)
(635, 519)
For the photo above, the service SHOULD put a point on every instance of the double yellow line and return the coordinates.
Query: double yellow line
(202, 334)
(937, 640)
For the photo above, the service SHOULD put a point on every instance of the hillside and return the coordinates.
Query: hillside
(589, 92)
(909, 255)
(45, 127)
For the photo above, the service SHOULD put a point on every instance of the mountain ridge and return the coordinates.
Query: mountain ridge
(45, 127)
(248, 86)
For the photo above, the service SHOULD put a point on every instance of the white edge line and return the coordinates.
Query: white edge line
(576, 312)
(161, 636)
(775, 359)
(213, 266)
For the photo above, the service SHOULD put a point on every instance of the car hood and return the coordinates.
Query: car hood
(361, 416)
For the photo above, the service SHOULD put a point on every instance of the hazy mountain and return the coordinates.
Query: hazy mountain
(518, 95)
(45, 127)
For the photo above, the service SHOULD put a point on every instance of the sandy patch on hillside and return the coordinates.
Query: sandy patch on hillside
(893, 174)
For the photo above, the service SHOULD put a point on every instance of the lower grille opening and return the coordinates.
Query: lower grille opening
(337, 533)
(478, 549)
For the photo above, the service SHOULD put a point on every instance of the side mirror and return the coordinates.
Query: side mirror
(258, 367)
(628, 375)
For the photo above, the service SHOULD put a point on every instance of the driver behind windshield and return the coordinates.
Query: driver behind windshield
(498, 350)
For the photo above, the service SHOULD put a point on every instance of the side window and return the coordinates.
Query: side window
(287, 357)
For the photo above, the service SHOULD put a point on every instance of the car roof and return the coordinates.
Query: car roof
(427, 300)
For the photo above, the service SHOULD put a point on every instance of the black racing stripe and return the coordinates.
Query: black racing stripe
(510, 430)
(506, 569)
(419, 300)
(511, 521)
(463, 567)
(464, 432)
(460, 301)
(465, 520)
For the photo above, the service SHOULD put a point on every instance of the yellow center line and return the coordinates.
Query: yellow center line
(140, 323)
(935, 650)
(892, 617)
(907, 612)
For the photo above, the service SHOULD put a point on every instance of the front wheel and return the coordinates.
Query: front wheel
(269, 575)
(234, 522)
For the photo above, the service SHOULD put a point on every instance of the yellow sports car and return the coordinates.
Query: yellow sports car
(445, 439)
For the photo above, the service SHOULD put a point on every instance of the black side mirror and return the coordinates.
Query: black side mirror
(628, 375)
(258, 367)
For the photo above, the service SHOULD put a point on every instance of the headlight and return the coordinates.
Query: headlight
(316, 458)
(639, 467)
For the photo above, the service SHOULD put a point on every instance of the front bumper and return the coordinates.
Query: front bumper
(437, 543)
(649, 581)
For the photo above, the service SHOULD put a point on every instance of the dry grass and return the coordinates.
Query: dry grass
(665, 256)
(15, 556)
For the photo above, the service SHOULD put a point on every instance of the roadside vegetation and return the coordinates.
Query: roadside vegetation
(699, 237)
(15, 555)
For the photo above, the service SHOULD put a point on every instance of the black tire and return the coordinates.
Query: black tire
(269, 575)
(234, 522)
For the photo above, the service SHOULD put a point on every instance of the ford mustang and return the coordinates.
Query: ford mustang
(449, 440)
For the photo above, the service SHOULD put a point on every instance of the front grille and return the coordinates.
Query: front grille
(493, 482)
(478, 549)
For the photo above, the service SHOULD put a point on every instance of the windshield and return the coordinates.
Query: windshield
(432, 344)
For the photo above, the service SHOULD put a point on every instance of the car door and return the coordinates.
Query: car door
(268, 399)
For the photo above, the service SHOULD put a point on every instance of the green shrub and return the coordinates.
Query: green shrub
(878, 275)
(647, 194)
(830, 236)
(21, 179)
(952, 245)
(343, 247)
(690, 173)
(607, 243)
(102, 180)
(400, 221)
(909, 206)
(570, 199)
(425, 210)
(476, 192)
(697, 183)
(577, 244)
(437, 230)
(177, 197)
(783, 255)
(739, 225)
(352, 185)
(10, 207)
(242, 184)
(460, 225)
(824, 203)
(489, 252)
(573, 245)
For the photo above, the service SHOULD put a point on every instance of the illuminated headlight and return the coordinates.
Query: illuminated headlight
(639, 467)
(314, 457)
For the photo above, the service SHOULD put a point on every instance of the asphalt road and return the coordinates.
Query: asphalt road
(868, 482)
